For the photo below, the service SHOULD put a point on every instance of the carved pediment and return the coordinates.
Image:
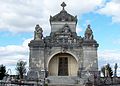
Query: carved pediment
(63, 32)
(63, 16)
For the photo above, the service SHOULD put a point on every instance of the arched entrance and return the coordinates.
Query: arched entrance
(63, 64)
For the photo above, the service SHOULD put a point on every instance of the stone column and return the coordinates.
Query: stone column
(36, 58)
(90, 60)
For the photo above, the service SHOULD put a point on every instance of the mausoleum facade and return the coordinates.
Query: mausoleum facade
(63, 53)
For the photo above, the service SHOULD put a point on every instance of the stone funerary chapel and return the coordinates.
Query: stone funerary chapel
(63, 56)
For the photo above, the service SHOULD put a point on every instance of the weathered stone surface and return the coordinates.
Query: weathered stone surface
(63, 42)
(63, 16)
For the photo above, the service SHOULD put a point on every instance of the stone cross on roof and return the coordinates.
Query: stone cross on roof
(63, 5)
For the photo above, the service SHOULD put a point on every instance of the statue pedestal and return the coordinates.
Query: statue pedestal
(36, 43)
(32, 75)
(35, 75)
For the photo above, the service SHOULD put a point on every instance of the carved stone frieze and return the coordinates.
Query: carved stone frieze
(63, 43)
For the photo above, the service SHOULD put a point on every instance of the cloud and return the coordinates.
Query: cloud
(111, 57)
(12, 53)
(23, 15)
(111, 9)
(117, 41)
(78, 30)
(20, 16)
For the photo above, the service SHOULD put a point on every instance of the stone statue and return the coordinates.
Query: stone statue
(38, 33)
(88, 33)
(107, 74)
(115, 73)
(66, 29)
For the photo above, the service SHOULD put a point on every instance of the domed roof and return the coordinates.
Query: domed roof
(63, 15)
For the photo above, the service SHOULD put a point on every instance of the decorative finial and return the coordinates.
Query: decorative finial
(88, 25)
(63, 5)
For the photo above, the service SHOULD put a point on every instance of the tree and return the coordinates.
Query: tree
(103, 70)
(21, 69)
(107, 70)
(115, 71)
(2, 71)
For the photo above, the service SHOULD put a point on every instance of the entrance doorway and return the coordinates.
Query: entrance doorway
(63, 66)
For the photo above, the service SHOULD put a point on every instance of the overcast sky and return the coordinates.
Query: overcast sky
(19, 17)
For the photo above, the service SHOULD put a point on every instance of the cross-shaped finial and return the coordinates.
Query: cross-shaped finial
(63, 5)
(88, 25)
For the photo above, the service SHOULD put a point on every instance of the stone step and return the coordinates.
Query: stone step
(64, 80)
(63, 85)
